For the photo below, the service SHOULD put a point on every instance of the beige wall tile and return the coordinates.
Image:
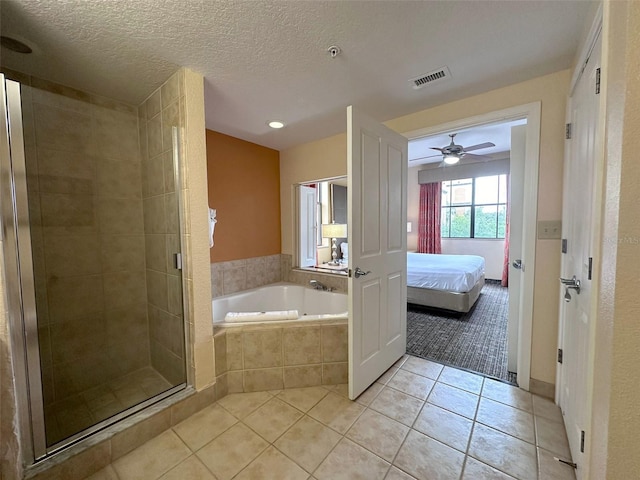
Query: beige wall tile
(124, 288)
(234, 350)
(235, 382)
(174, 292)
(115, 134)
(154, 215)
(58, 163)
(171, 211)
(172, 89)
(168, 331)
(155, 252)
(75, 339)
(71, 255)
(68, 210)
(154, 136)
(170, 118)
(155, 175)
(169, 174)
(262, 348)
(234, 280)
(302, 376)
(157, 289)
(120, 216)
(170, 366)
(220, 351)
(335, 343)
(61, 184)
(53, 95)
(301, 345)
(119, 179)
(62, 129)
(122, 252)
(263, 379)
(335, 373)
(153, 104)
(74, 296)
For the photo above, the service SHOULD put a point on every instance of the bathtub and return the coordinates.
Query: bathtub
(311, 304)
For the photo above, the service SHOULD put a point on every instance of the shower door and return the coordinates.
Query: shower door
(95, 257)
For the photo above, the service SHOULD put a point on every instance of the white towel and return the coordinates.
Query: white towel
(212, 225)
(258, 316)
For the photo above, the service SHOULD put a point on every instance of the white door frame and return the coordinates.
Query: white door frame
(530, 111)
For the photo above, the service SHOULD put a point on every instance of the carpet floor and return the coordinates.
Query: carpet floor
(475, 341)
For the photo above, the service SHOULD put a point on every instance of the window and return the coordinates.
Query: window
(474, 207)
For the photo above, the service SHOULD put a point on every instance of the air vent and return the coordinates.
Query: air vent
(430, 78)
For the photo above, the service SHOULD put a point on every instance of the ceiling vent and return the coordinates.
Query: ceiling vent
(430, 78)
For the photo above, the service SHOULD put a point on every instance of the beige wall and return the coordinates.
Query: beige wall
(327, 158)
(616, 394)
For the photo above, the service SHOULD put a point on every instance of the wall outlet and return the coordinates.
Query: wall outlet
(549, 229)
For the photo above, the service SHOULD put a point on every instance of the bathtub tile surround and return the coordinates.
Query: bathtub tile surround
(262, 358)
(318, 433)
(244, 274)
(238, 275)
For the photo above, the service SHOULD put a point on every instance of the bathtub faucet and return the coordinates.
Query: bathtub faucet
(319, 286)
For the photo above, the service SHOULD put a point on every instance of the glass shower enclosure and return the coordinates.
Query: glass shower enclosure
(92, 243)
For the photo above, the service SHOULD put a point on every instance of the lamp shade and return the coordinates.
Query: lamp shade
(334, 230)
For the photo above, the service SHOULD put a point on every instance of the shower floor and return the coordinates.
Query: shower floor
(74, 414)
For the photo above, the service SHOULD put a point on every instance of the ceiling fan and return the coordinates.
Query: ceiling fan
(452, 153)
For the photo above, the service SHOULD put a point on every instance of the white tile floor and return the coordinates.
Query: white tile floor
(420, 420)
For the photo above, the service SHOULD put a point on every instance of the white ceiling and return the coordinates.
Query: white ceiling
(497, 133)
(265, 60)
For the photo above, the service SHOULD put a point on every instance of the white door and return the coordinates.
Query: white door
(578, 209)
(516, 207)
(377, 224)
(307, 226)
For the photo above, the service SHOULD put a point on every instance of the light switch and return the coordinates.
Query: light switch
(549, 229)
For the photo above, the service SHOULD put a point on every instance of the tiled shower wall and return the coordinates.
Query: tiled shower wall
(87, 231)
(163, 110)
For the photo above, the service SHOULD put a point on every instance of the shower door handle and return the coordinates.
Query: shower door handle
(177, 261)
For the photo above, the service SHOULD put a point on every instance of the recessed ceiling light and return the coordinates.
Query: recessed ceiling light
(276, 124)
(14, 45)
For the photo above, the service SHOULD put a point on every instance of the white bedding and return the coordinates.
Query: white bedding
(452, 273)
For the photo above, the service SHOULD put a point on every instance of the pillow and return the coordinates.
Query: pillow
(344, 248)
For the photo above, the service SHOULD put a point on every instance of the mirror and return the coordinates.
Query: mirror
(322, 225)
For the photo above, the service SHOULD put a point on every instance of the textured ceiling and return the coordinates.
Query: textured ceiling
(265, 60)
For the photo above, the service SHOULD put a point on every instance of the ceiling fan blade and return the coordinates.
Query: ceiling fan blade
(474, 156)
(479, 146)
(436, 148)
(423, 158)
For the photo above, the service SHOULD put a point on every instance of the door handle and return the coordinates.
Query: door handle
(570, 283)
(360, 273)
(517, 264)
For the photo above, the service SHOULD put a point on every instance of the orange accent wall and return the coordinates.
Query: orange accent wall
(244, 187)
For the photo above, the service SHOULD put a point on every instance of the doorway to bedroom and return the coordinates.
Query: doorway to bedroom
(464, 197)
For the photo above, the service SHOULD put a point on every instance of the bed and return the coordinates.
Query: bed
(450, 282)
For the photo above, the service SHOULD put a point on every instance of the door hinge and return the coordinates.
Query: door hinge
(567, 131)
(590, 268)
(597, 81)
(564, 245)
(582, 441)
(559, 355)
(177, 261)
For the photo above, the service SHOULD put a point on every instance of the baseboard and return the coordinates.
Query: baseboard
(544, 389)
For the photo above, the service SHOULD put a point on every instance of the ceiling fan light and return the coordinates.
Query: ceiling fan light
(451, 159)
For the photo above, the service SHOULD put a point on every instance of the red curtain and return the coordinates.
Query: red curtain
(505, 265)
(429, 240)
